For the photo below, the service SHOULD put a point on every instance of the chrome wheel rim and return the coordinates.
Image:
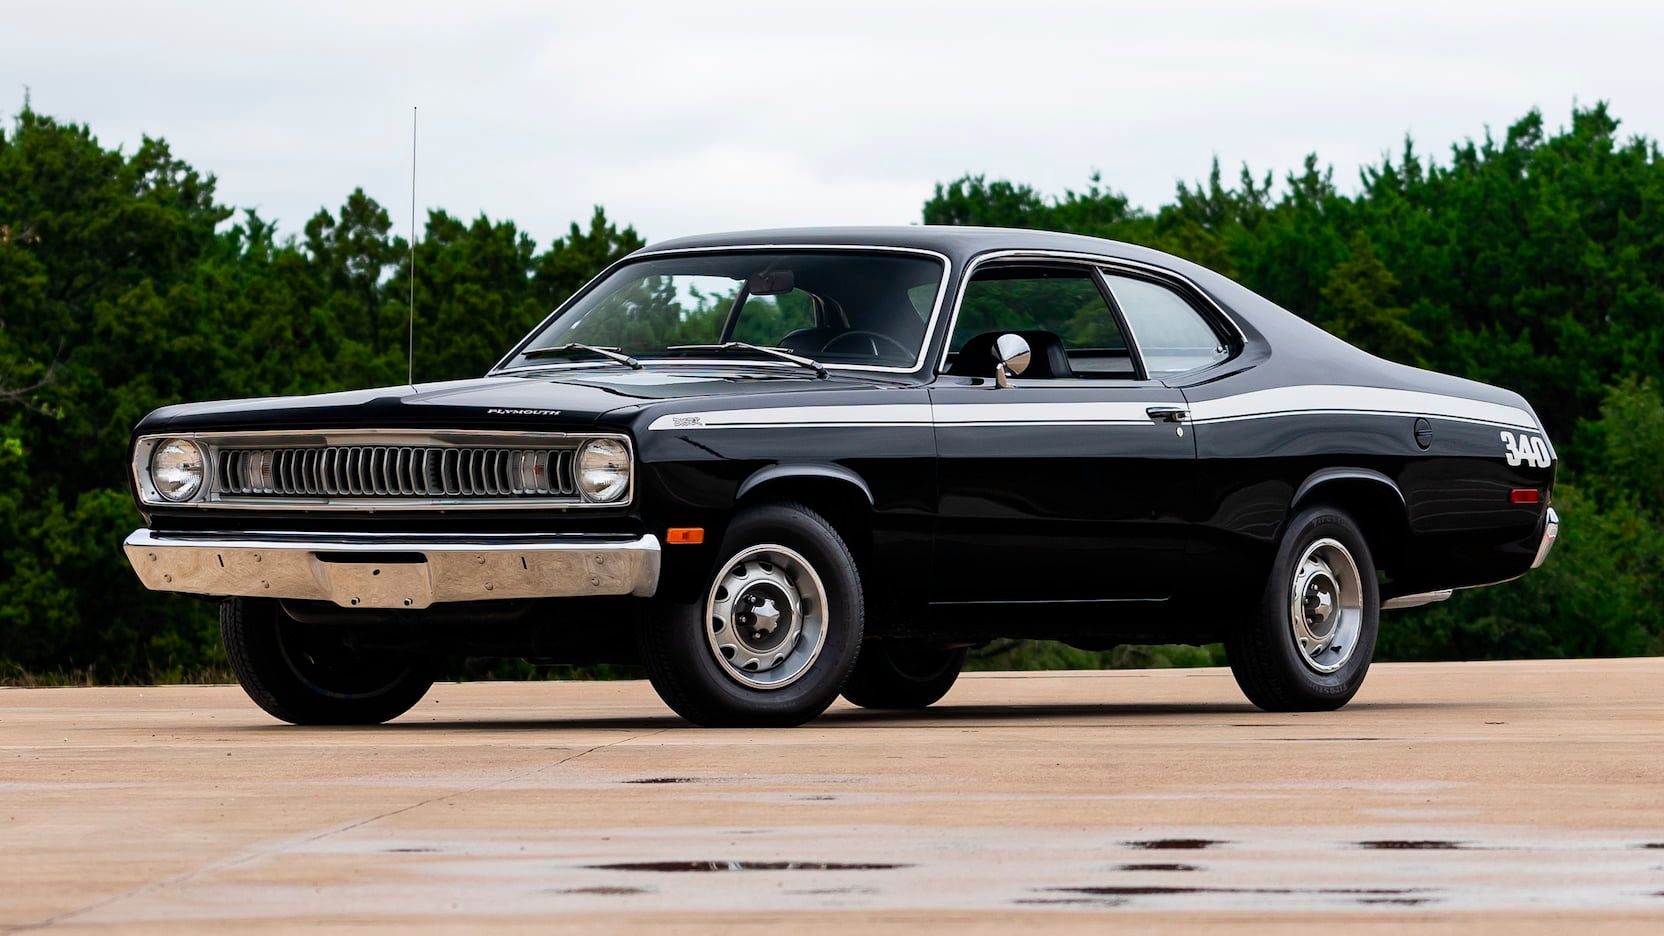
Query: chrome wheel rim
(765, 617)
(1326, 606)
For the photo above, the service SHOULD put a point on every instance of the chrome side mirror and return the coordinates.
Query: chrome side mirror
(1011, 354)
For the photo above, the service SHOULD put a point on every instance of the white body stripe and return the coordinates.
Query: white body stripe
(1258, 404)
(1304, 400)
(877, 414)
(1091, 413)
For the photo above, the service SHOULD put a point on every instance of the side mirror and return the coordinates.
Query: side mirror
(1011, 353)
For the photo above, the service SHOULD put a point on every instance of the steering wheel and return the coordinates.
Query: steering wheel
(873, 338)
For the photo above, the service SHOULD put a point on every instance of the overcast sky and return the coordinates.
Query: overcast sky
(687, 117)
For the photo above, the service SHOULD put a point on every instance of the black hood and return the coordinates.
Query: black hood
(548, 400)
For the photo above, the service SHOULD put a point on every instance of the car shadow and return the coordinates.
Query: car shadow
(941, 714)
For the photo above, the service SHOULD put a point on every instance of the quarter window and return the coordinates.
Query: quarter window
(1172, 336)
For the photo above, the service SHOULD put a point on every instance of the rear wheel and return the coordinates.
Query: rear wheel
(309, 674)
(773, 638)
(1309, 645)
(899, 674)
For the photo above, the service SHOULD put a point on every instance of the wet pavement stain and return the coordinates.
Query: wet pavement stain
(1426, 845)
(1174, 844)
(1072, 901)
(1157, 891)
(704, 866)
(1158, 867)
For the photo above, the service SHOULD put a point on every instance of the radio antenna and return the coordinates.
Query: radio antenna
(410, 336)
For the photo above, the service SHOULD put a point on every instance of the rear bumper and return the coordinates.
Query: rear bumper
(1551, 533)
(394, 571)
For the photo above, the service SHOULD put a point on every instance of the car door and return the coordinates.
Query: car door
(1064, 486)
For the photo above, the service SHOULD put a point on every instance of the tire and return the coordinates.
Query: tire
(897, 674)
(1265, 654)
(305, 674)
(716, 670)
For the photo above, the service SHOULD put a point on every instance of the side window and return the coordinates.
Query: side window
(1059, 310)
(1172, 336)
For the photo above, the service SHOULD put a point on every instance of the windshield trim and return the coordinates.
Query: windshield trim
(919, 362)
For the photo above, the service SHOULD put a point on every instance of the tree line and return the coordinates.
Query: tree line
(1534, 261)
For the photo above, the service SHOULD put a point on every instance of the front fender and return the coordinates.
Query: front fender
(774, 473)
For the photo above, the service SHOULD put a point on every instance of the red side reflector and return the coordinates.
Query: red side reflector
(1524, 496)
(687, 536)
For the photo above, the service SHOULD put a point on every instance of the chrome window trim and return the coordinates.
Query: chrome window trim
(651, 254)
(208, 497)
(1097, 260)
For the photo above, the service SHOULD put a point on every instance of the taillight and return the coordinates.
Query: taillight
(1524, 496)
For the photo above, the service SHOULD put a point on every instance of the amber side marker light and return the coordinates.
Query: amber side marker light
(685, 536)
(1524, 496)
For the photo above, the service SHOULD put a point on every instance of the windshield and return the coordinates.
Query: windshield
(856, 308)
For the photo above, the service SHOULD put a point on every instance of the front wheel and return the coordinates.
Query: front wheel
(1309, 645)
(308, 674)
(772, 639)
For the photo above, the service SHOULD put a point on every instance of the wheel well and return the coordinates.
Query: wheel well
(1378, 509)
(844, 505)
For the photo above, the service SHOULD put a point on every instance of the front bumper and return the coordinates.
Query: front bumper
(394, 571)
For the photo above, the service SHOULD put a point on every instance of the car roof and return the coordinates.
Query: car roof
(957, 242)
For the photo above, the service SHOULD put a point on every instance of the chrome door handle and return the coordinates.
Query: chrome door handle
(1172, 414)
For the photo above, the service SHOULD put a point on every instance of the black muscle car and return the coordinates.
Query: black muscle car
(775, 466)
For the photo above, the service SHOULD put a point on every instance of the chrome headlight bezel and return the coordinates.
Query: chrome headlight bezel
(615, 460)
(186, 456)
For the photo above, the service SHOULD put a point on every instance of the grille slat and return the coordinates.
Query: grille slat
(397, 472)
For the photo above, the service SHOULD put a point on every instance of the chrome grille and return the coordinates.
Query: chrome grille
(396, 471)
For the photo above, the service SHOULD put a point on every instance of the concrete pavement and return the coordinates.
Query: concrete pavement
(1520, 797)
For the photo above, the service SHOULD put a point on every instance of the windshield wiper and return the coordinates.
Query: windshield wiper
(797, 359)
(611, 354)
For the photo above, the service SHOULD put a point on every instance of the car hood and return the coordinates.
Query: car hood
(548, 400)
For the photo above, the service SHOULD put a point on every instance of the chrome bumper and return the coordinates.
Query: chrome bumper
(1417, 600)
(393, 571)
(1551, 532)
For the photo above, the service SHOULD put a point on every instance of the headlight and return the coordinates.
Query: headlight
(176, 469)
(603, 470)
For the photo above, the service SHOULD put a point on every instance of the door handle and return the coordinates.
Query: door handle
(1172, 414)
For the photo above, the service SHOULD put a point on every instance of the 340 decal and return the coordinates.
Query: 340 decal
(1526, 449)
